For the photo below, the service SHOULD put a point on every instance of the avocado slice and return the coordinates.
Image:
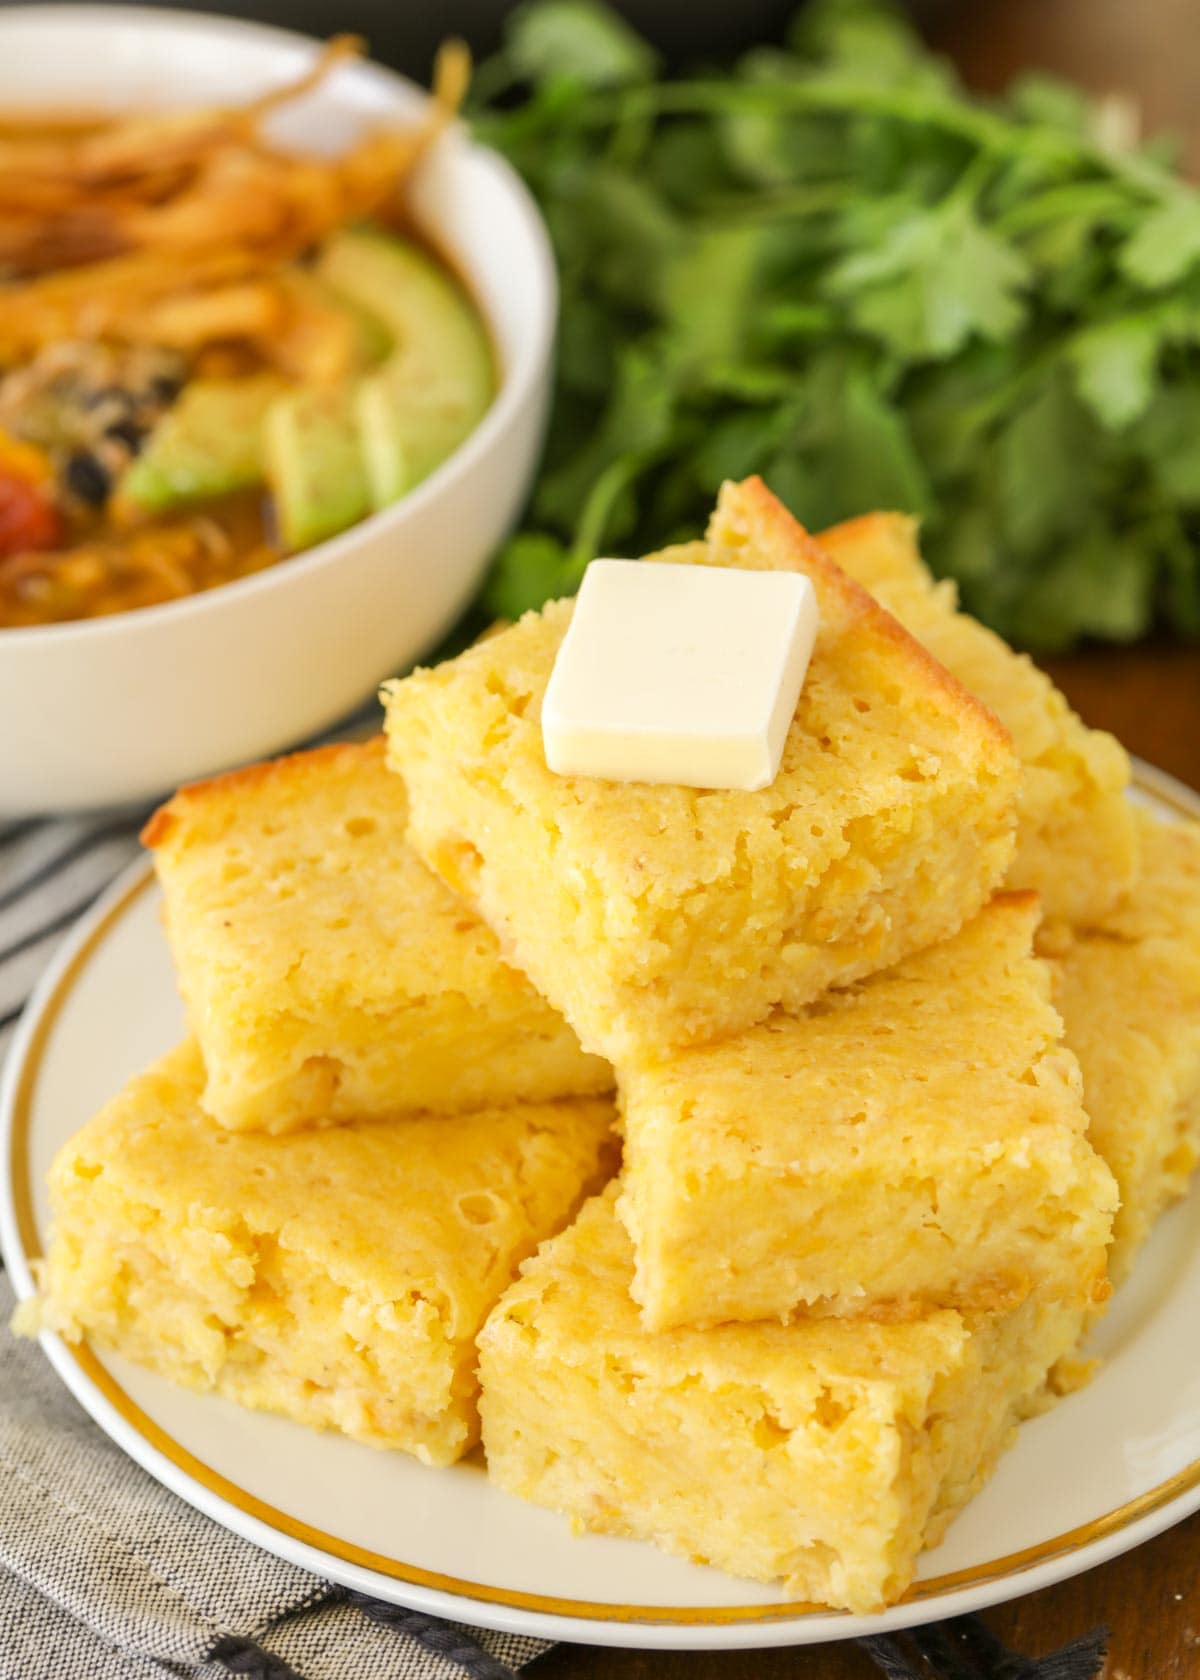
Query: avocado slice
(315, 465)
(368, 339)
(439, 378)
(209, 443)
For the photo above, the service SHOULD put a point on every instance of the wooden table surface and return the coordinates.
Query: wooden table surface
(1150, 698)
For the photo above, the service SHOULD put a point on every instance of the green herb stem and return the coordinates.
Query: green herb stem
(593, 519)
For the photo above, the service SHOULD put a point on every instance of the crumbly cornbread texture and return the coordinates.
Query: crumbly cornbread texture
(822, 1454)
(655, 916)
(326, 973)
(338, 1276)
(1076, 840)
(916, 1140)
(1129, 992)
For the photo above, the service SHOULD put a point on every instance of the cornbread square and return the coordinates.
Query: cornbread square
(1076, 840)
(327, 975)
(822, 1454)
(656, 916)
(338, 1276)
(1129, 992)
(918, 1140)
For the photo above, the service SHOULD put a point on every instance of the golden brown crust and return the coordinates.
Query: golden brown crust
(778, 531)
(157, 827)
(858, 532)
(160, 824)
(1018, 898)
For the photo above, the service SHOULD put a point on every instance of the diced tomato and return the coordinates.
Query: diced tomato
(29, 519)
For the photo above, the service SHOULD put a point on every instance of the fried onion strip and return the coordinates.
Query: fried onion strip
(179, 228)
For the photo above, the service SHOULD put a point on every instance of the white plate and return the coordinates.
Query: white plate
(1102, 1472)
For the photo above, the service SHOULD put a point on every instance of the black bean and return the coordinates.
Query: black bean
(127, 432)
(87, 478)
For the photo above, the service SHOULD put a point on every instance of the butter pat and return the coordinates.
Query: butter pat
(680, 674)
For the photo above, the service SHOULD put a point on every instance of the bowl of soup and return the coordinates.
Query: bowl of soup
(275, 344)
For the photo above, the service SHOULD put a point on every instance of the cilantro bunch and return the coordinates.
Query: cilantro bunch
(828, 265)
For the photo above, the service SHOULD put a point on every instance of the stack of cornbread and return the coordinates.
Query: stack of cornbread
(866, 1206)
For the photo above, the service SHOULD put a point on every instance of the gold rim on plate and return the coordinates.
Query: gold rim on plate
(1161, 788)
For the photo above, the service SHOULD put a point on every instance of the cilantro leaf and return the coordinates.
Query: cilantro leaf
(870, 461)
(530, 569)
(636, 421)
(869, 38)
(1181, 580)
(774, 147)
(1101, 585)
(1041, 99)
(1165, 246)
(578, 39)
(708, 293)
(853, 449)
(1168, 439)
(1045, 470)
(935, 281)
(1115, 366)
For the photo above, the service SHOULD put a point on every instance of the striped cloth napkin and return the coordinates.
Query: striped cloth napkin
(105, 1574)
(50, 871)
(53, 868)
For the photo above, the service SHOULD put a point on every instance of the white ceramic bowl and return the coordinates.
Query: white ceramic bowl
(123, 708)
